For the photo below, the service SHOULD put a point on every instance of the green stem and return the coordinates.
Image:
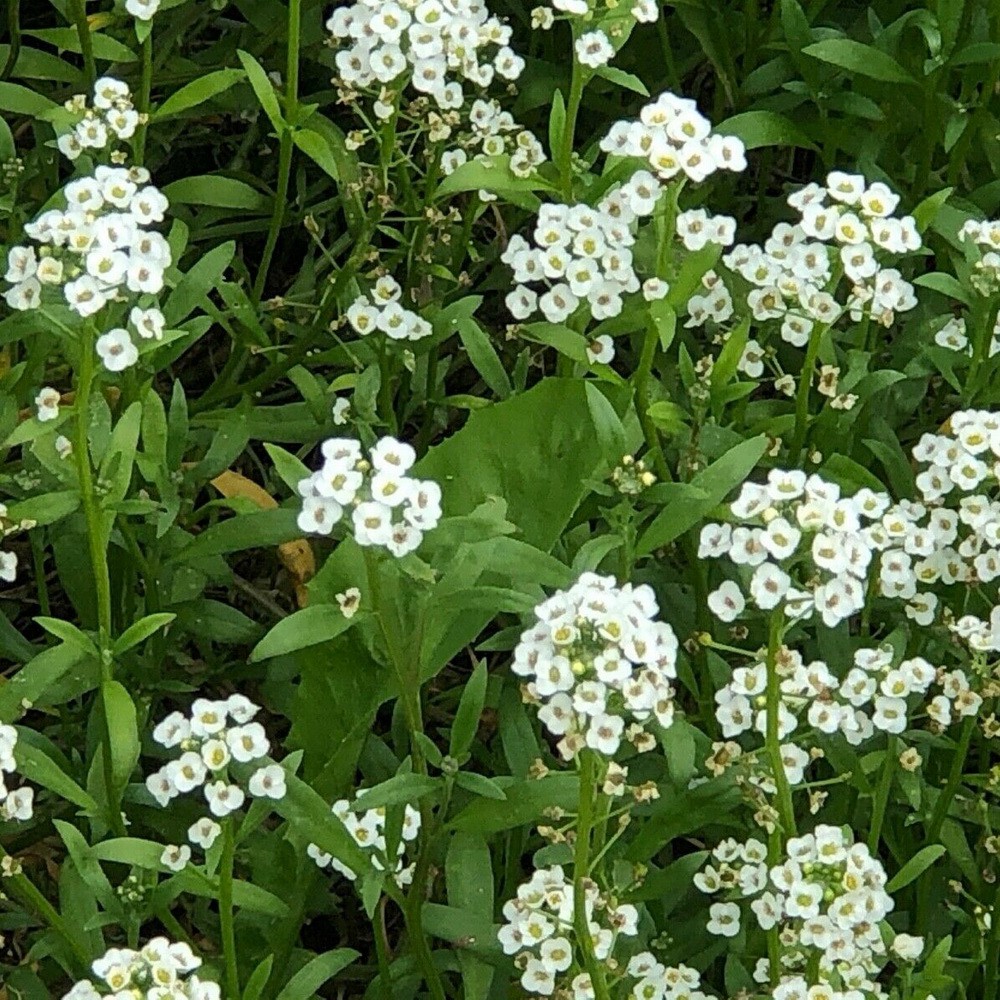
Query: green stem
(992, 960)
(382, 950)
(96, 535)
(568, 137)
(786, 811)
(143, 98)
(78, 9)
(277, 215)
(802, 395)
(880, 801)
(641, 382)
(30, 896)
(947, 795)
(286, 145)
(226, 925)
(581, 872)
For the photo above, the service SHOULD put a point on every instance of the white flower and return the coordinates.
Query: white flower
(116, 350)
(908, 947)
(724, 919)
(593, 49)
(204, 832)
(349, 602)
(268, 782)
(223, 798)
(175, 858)
(144, 10)
(600, 350)
(726, 602)
(341, 411)
(47, 403)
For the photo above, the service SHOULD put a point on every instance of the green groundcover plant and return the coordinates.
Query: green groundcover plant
(499, 500)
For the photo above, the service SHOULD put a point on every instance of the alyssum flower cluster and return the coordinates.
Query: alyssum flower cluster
(162, 970)
(212, 741)
(599, 665)
(15, 803)
(389, 509)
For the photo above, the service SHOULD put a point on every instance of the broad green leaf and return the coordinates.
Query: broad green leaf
(123, 732)
(306, 627)
(765, 128)
(470, 708)
(713, 484)
(264, 90)
(856, 57)
(319, 970)
(915, 867)
(216, 191)
(198, 92)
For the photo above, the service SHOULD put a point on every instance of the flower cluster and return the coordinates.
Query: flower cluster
(15, 803)
(494, 132)
(111, 117)
(100, 249)
(581, 254)
(8, 527)
(600, 665)
(875, 694)
(795, 523)
(539, 931)
(827, 899)
(644, 11)
(845, 228)
(951, 536)
(368, 831)
(954, 336)
(383, 312)
(389, 509)
(986, 237)
(214, 739)
(159, 971)
(675, 139)
(439, 43)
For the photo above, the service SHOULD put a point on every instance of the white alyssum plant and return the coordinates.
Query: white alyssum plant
(539, 931)
(438, 46)
(100, 250)
(581, 256)
(215, 738)
(801, 546)
(382, 311)
(162, 970)
(675, 140)
(368, 828)
(825, 902)
(600, 666)
(388, 508)
(847, 229)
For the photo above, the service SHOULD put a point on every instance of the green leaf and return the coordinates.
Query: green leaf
(198, 92)
(141, 630)
(245, 531)
(916, 866)
(856, 57)
(306, 627)
(526, 802)
(317, 148)
(304, 984)
(258, 979)
(35, 765)
(480, 785)
(470, 708)
(713, 483)
(123, 732)
(765, 128)
(469, 880)
(18, 100)
(399, 789)
(484, 357)
(628, 81)
(290, 469)
(28, 686)
(216, 191)
(264, 90)
(493, 174)
(68, 633)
